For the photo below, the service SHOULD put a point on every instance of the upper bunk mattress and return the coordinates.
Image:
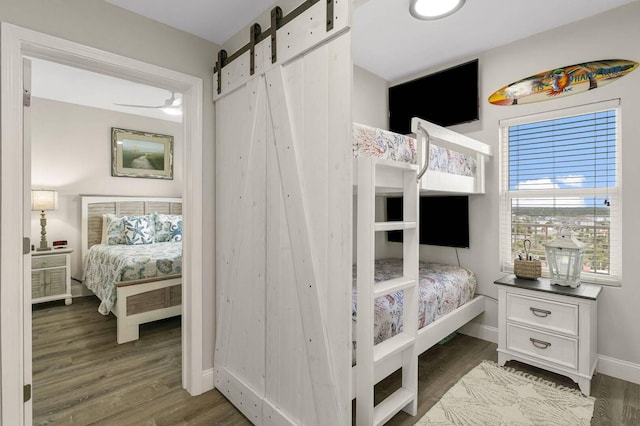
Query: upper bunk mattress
(108, 264)
(442, 289)
(378, 143)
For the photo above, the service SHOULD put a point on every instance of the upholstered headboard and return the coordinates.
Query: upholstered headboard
(93, 207)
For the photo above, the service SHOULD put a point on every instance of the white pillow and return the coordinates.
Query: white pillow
(113, 229)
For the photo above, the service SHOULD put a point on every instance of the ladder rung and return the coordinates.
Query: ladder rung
(392, 345)
(383, 288)
(394, 226)
(391, 405)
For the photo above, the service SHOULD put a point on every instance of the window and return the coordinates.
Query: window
(561, 170)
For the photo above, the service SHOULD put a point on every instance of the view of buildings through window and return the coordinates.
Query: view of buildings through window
(562, 174)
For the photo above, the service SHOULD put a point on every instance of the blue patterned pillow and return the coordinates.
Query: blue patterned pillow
(139, 230)
(168, 227)
(113, 229)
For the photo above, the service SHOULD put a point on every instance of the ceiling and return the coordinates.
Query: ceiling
(50, 80)
(387, 40)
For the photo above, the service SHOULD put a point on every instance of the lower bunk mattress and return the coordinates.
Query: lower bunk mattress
(442, 289)
(107, 264)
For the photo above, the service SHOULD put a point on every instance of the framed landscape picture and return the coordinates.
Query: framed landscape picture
(141, 154)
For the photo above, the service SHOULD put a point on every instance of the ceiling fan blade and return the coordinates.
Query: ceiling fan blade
(172, 103)
(142, 106)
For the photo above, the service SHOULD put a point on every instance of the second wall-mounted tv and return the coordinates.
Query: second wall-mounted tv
(445, 98)
(444, 220)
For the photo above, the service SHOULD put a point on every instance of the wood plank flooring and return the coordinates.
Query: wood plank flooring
(82, 376)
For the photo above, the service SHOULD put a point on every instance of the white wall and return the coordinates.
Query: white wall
(101, 25)
(370, 99)
(71, 153)
(610, 35)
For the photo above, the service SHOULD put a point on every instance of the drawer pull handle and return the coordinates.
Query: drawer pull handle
(540, 312)
(539, 343)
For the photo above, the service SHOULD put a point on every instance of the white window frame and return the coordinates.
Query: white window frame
(614, 194)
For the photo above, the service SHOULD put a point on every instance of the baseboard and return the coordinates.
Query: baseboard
(619, 369)
(480, 331)
(208, 380)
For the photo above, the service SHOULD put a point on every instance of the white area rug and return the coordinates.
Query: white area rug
(492, 395)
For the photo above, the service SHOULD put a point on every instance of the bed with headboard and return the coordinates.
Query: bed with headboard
(132, 265)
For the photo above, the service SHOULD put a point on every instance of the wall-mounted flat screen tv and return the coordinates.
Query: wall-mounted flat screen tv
(444, 220)
(445, 98)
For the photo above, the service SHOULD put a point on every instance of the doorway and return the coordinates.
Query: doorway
(15, 301)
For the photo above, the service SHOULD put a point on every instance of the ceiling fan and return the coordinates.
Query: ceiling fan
(171, 106)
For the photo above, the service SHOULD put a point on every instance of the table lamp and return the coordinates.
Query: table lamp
(41, 200)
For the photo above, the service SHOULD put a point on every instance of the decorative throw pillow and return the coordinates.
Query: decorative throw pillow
(168, 227)
(113, 229)
(139, 230)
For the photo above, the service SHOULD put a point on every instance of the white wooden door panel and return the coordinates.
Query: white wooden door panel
(339, 218)
(283, 238)
(307, 284)
(288, 381)
(309, 30)
(240, 235)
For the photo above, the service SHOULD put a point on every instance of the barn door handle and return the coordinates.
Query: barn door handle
(539, 343)
(540, 312)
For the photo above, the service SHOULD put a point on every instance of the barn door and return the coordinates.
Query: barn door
(284, 231)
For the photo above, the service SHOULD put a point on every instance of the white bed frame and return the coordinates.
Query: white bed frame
(375, 362)
(138, 301)
(435, 182)
(428, 336)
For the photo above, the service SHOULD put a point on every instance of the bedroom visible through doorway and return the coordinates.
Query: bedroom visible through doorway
(15, 310)
(70, 117)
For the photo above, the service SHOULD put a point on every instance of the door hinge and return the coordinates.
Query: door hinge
(26, 98)
(27, 393)
(26, 245)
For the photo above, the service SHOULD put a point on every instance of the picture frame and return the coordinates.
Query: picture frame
(141, 154)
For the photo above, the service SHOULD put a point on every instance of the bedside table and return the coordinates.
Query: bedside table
(549, 326)
(51, 275)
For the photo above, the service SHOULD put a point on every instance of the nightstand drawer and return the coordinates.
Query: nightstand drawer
(544, 346)
(543, 313)
(47, 261)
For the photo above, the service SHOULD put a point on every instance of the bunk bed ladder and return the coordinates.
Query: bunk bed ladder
(403, 344)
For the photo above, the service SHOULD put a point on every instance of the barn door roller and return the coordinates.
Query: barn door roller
(256, 35)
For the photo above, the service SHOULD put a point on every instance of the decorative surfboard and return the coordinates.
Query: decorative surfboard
(563, 81)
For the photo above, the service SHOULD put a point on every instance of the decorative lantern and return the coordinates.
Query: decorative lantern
(564, 257)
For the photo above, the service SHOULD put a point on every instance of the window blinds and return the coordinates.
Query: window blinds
(560, 171)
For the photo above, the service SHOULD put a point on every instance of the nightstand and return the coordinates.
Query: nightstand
(51, 275)
(549, 326)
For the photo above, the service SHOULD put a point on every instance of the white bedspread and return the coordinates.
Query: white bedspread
(108, 264)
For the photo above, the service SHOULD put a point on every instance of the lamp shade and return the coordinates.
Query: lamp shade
(44, 199)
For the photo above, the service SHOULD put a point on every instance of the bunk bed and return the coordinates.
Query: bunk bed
(439, 299)
(455, 163)
(139, 282)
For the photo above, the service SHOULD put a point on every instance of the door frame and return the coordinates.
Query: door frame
(15, 43)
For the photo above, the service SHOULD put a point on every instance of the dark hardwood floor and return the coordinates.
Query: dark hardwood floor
(81, 376)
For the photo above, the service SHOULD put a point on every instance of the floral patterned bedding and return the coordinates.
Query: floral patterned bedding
(372, 142)
(442, 289)
(107, 264)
